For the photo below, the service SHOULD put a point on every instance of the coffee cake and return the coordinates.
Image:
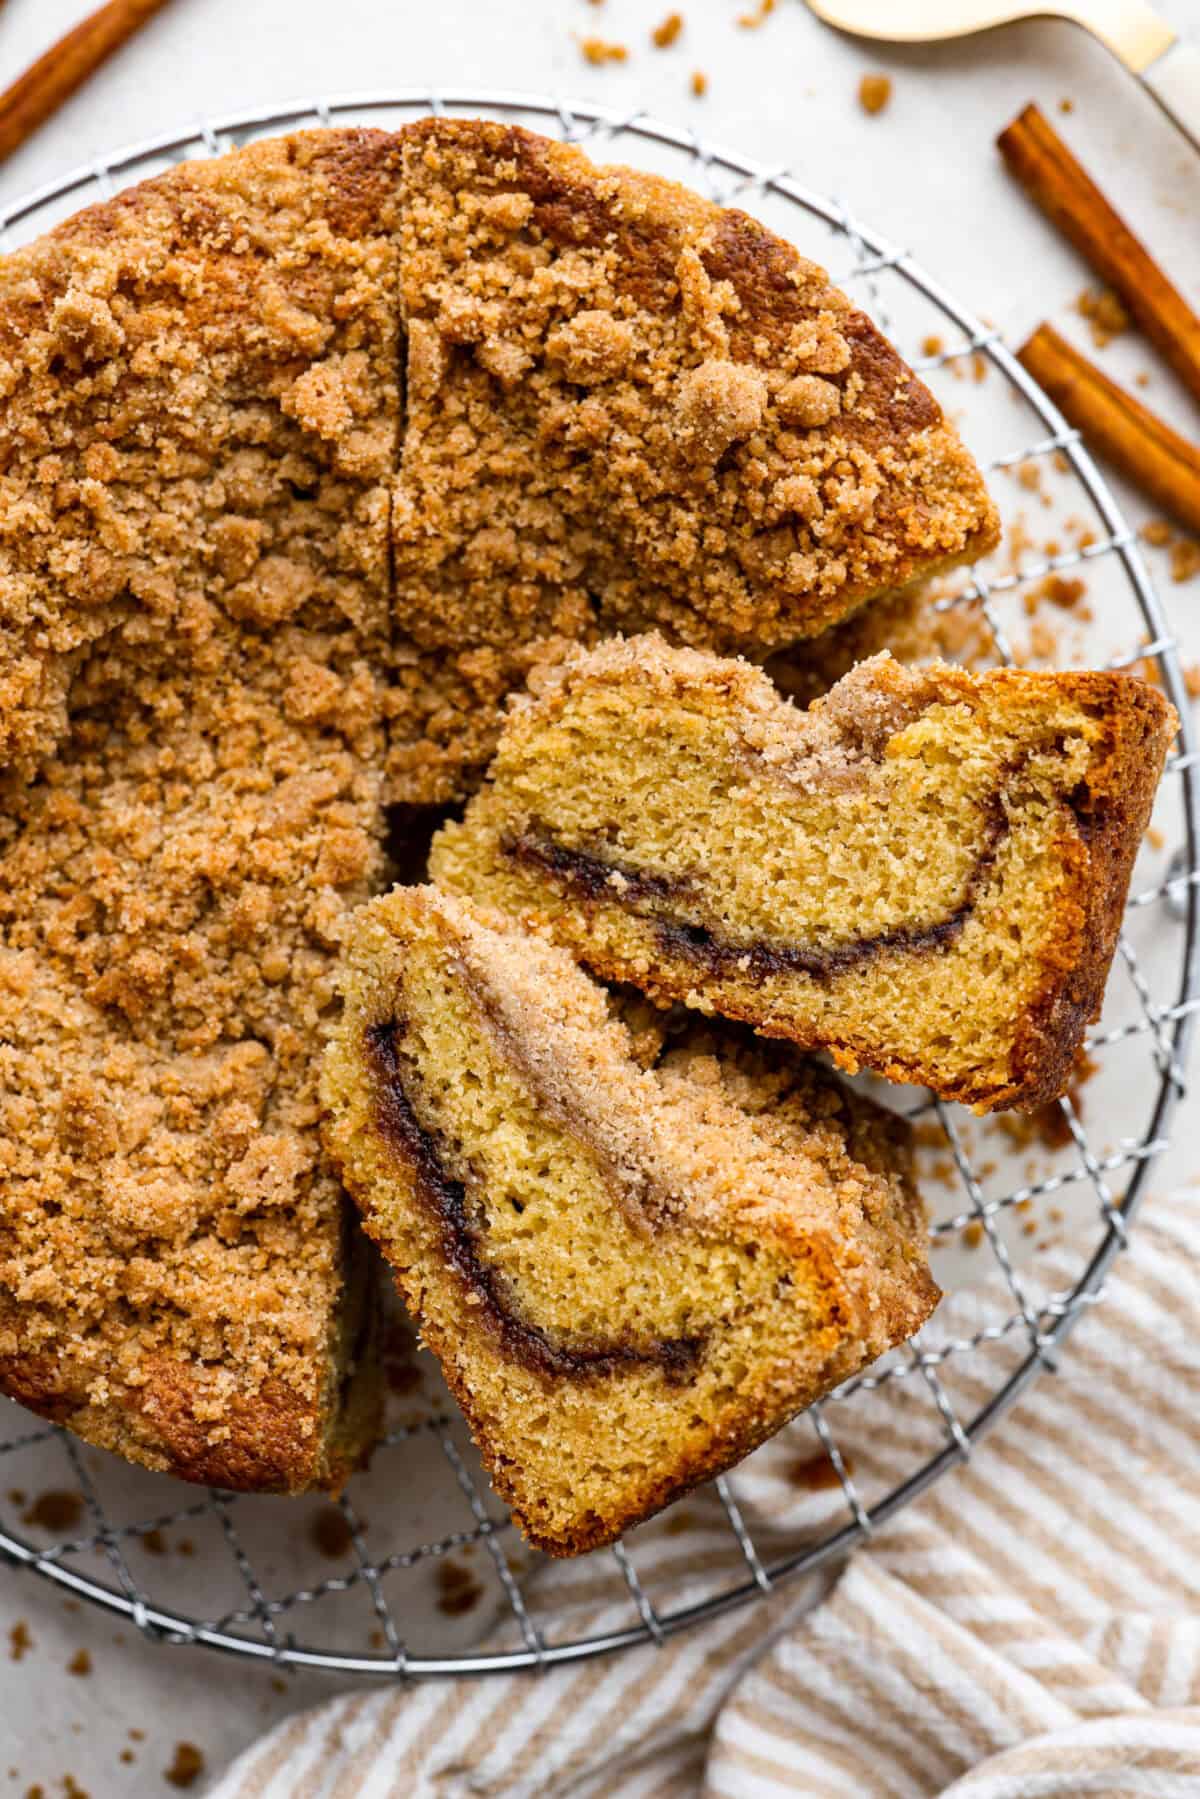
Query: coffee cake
(924, 873)
(631, 1273)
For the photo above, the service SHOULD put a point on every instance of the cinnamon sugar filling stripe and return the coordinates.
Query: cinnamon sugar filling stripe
(445, 1199)
(660, 901)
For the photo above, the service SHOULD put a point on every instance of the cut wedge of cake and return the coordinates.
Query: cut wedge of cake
(631, 1274)
(201, 406)
(627, 406)
(178, 1280)
(924, 873)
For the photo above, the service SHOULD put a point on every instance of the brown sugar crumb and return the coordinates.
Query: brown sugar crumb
(1157, 533)
(598, 50)
(1185, 559)
(153, 1542)
(816, 1473)
(972, 1235)
(699, 83)
(72, 1788)
(331, 1533)
(750, 21)
(127, 1756)
(186, 1768)
(1105, 314)
(80, 1663)
(664, 35)
(20, 1642)
(874, 93)
(55, 1511)
(932, 346)
(458, 1590)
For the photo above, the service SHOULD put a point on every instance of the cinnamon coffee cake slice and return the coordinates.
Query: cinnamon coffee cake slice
(628, 406)
(632, 1274)
(924, 873)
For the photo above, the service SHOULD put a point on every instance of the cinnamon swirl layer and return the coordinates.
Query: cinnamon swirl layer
(924, 873)
(632, 1273)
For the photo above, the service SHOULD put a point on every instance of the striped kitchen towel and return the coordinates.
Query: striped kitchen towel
(1030, 1628)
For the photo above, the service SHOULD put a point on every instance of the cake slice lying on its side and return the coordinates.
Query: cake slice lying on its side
(924, 873)
(632, 1275)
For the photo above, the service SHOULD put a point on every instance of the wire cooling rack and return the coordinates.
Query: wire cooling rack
(251, 1576)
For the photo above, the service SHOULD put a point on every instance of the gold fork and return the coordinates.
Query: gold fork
(1132, 30)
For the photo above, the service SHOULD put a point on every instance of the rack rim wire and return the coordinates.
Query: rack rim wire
(1171, 1027)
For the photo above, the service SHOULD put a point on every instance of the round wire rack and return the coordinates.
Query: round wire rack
(254, 1577)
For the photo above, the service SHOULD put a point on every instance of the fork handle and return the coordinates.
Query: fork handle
(1174, 80)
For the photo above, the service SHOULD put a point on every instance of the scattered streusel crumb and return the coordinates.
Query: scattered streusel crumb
(598, 50)
(187, 1767)
(665, 34)
(874, 93)
(1105, 314)
(458, 1590)
(1191, 680)
(750, 21)
(972, 1234)
(80, 1663)
(1158, 533)
(1185, 558)
(55, 1511)
(331, 1533)
(699, 83)
(1066, 105)
(816, 1473)
(20, 1642)
(932, 346)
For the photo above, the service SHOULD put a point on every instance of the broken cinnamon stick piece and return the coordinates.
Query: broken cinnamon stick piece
(54, 77)
(1052, 177)
(1145, 450)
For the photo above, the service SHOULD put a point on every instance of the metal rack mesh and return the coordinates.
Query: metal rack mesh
(425, 1492)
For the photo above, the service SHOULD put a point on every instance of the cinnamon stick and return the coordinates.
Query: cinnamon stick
(1145, 450)
(54, 77)
(1052, 177)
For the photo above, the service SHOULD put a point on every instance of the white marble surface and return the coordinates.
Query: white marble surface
(924, 173)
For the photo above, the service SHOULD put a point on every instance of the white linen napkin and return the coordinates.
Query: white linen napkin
(1030, 1628)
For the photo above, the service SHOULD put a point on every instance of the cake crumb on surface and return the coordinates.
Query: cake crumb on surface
(20, 1641)
(1157, 533)
(55, 1510)
(331, 1533)
(598, 51)
(750, 21)
(80, 1663)
(1185, 559)
(458, 1590)
(874, 93)
(699, 83)
(816, 1473)
(186, 1767)
(666, 33)
(1105, 314)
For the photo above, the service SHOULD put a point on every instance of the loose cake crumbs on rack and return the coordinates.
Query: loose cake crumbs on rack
(874, 93)
(664, 35)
